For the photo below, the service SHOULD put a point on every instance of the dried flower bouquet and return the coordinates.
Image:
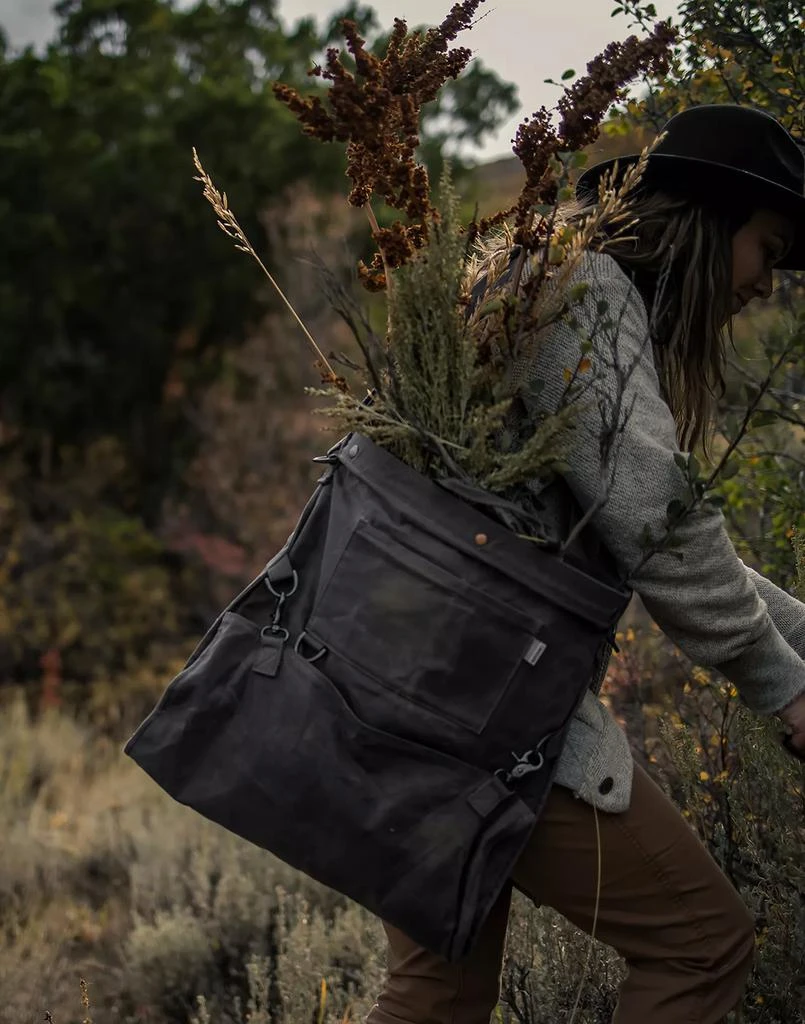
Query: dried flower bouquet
(466, 304)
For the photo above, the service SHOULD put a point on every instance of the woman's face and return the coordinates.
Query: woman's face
(756, 247)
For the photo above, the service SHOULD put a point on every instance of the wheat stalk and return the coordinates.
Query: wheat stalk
(228, 223)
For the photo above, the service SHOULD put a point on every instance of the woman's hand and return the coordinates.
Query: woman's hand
(793, 715)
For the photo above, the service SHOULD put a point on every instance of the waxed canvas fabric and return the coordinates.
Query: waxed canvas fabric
(384, 706)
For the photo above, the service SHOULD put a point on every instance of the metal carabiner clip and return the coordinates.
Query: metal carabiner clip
(274, 633)
(526, 767)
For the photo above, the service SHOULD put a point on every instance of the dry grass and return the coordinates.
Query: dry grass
(229, 224)
(104, 878)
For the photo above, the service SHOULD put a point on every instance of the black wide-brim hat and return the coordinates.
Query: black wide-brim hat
(724, 154)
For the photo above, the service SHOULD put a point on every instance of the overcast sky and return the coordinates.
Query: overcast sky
(525, 41)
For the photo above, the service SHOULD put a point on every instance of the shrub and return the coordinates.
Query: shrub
(549, 965)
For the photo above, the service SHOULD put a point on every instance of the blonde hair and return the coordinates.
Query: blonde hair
(691, 315)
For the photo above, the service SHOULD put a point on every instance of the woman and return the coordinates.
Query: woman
(721, 204)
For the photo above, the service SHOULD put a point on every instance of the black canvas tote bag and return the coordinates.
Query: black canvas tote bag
(383, 707)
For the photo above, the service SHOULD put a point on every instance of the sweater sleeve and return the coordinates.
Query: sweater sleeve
(701, 594)
(787, 613)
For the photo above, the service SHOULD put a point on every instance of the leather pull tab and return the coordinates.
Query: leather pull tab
(269, 657)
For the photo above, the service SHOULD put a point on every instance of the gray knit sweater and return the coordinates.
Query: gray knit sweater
(719, 612)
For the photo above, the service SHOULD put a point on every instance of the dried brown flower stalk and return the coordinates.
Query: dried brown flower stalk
(376, 111)
(582, 108)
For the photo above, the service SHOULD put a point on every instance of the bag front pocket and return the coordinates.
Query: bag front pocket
(417, 629)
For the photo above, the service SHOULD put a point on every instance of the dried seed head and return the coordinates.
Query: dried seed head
(582, 108)
(376, 111)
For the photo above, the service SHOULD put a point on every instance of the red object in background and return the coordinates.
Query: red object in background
(215, 552)
(51, 665)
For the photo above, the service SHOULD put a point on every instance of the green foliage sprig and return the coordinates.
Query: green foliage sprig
(435, 405)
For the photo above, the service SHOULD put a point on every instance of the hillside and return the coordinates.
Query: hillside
(498, 182)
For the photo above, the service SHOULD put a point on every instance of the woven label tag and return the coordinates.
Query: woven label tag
(534, 651)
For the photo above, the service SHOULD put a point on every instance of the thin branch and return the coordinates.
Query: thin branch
(751, 409)
(770, 453)
(695, 500)
(780, 413)
(370, 213)
(613, 411)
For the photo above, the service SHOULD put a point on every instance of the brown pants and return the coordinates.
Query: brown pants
(665, 906)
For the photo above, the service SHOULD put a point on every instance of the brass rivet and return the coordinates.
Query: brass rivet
(481, 539)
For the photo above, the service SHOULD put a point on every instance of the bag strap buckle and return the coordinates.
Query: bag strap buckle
(282, 595)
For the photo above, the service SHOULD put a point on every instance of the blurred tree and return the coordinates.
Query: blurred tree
(147, 452)
(117, 293)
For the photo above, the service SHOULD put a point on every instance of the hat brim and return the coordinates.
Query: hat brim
(699, 178)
